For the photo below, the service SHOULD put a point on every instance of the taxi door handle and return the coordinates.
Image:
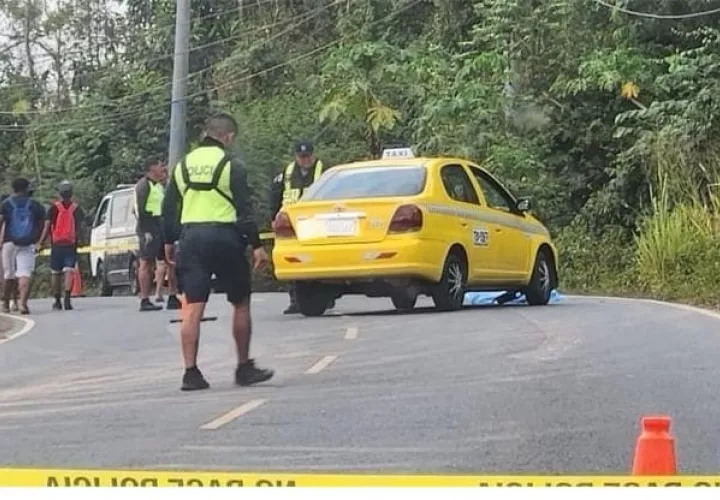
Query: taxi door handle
(464, 224)
(498, 230)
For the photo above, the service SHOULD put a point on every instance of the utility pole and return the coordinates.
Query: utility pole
(178, 110)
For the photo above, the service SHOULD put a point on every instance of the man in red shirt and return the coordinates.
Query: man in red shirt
(65, 218)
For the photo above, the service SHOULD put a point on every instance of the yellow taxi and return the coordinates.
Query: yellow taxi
(404, 226)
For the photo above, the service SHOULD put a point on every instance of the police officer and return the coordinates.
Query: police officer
(288, 187)
(207, 207)
(149, 194)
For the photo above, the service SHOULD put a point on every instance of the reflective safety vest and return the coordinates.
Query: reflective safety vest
(203, 180)
(290, 194)
(153, 204)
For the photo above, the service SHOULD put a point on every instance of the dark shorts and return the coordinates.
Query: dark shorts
(161, 254)
(153, 249)
(207, 250)
(63, 258)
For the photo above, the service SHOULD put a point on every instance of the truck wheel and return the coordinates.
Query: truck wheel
(312, 299)
(133, 278)
(104, 288)
(449, 294)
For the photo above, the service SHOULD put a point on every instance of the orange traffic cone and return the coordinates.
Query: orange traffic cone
(655, 448)
(76, 290)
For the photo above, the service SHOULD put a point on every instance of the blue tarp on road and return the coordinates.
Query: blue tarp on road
(488, 298)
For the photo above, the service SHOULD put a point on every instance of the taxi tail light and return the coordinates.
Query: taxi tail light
(282, 227)
(407, 218)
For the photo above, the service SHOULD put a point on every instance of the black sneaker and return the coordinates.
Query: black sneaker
(292, 309)
(249, 374)
(146, 305)
(193, 380)
(159, 299)
(173, 303)
(67, 305)
(57, 305)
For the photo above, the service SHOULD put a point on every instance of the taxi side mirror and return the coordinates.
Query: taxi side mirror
(523, 205)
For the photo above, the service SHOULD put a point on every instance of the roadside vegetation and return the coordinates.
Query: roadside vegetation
(609, 120)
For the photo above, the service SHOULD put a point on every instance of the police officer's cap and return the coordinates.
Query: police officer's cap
(65, 186)
(304, 148)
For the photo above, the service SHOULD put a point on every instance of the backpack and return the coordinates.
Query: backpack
(22, 225)
(63, 230)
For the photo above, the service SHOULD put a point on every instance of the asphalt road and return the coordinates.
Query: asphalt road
(509, 389)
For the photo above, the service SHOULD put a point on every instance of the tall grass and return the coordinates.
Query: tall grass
(677, 246)
(675, 252)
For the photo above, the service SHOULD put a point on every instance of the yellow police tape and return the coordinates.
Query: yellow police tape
(127, 246)
(127, 478)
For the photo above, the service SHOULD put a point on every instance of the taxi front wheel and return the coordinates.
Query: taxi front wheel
(449, 294)
(539, 290)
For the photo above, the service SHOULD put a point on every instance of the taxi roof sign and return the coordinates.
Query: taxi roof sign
(397, 153)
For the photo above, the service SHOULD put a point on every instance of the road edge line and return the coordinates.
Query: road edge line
(675, 305)
(28, 324)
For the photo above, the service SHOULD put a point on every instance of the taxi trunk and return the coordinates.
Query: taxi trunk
(352, 221)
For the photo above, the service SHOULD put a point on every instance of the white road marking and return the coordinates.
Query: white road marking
(233, 414)
(351, 333)
(29, 324)
(320, 365)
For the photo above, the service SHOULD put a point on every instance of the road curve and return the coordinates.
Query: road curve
(508, 389)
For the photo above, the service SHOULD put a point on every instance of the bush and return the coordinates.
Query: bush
(595, 264)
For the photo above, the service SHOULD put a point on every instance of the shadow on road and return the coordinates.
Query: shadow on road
(416, 311)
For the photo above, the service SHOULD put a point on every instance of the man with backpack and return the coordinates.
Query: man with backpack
(24, 227)
(65, 218)
(14, 298)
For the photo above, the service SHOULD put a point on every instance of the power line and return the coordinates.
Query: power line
(651, 15)
(134, 112)
(171, 24)
(310, 15)
(196, 48)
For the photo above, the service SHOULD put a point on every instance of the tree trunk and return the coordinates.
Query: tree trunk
(28, 44)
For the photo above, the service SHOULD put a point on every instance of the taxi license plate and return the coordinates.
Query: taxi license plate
(341, 227)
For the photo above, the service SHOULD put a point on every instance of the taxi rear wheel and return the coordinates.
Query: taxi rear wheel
(312, 299)
(449, 294)
(403, 301)
(539, 290)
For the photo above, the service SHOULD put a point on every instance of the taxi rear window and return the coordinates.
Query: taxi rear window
(369, 182)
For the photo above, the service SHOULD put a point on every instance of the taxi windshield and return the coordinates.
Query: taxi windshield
(369, 182)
